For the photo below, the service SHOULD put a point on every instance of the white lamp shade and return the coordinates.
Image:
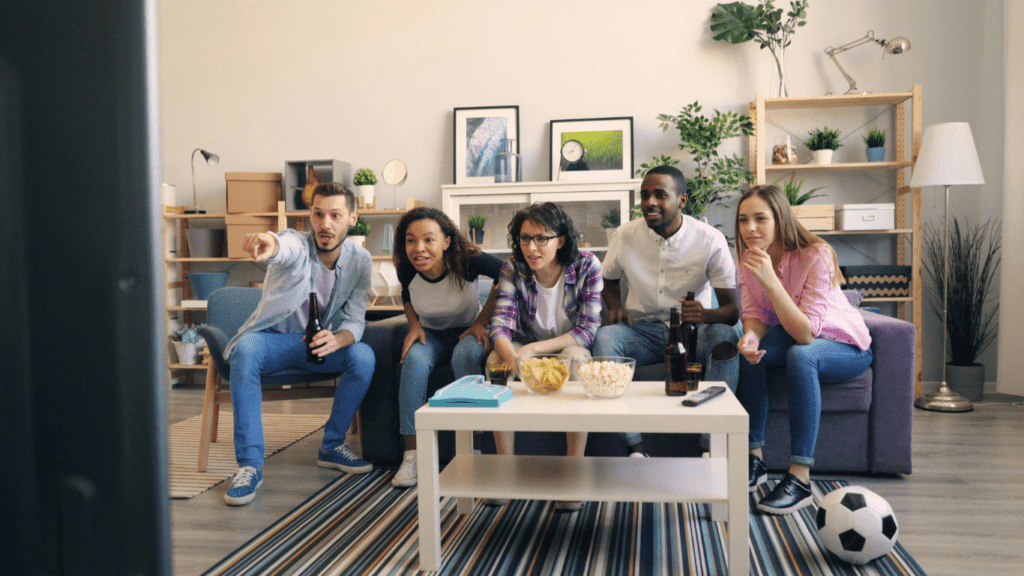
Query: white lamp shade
(947, 157)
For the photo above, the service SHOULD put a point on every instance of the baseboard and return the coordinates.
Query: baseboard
(926, 387)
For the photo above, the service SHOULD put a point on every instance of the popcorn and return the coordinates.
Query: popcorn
(605, 379)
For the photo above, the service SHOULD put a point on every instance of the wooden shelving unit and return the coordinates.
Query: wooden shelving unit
(907, 200)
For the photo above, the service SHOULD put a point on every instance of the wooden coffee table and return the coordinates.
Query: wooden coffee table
(720, 479)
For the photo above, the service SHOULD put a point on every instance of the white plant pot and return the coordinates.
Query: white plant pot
(188, 352)
(366, 193)
(359, 240)
(609, 232)
(823, 156)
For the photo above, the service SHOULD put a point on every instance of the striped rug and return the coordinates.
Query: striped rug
(361, 525)
(279, 431)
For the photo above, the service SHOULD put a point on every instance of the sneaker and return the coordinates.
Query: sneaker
(569, 505)
(494, 501)
(343, 459)
(406, 475)
(638, 455)
(789, 495)
(758, 472)
(243, 487)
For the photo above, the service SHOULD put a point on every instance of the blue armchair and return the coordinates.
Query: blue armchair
(227, 309)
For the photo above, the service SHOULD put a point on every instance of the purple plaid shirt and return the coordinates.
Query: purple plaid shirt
(516, 306)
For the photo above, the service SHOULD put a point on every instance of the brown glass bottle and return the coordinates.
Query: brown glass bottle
(312, 327)
(690, 342)
(675, 357)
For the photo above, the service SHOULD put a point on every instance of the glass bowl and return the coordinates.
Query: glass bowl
(606, 376)
(544, 373)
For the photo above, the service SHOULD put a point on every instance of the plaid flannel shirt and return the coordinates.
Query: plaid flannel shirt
(516, 306)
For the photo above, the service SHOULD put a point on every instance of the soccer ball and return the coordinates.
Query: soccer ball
(856, 524)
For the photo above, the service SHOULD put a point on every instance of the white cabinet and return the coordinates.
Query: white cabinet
(585, 202)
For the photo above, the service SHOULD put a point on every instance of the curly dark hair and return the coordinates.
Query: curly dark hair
(550, 216)
(456, 257)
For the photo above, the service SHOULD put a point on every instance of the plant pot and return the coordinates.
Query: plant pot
(477, 235)
(967, 381)
(188, 352)
(823, 156)
(359, 240)
(876, 154)
(204, 283)
(609, 232)
(365, 194)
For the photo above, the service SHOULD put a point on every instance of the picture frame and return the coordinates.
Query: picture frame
(478, 132)
(607, 149)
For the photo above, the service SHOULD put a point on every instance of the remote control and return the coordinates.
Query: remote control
(703, 396)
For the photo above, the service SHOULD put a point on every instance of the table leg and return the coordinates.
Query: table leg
(429, 493)
(464, 446)
(739, 505)
(719, 510)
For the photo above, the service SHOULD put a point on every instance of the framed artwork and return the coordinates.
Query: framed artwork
(592, 149)
(478, 139)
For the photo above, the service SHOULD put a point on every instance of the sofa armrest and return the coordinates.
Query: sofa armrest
(892, 392)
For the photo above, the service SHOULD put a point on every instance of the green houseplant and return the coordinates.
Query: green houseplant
(476, 227)
(737, 23)
(359, 231)
(792, 189)
(875, 143)
(610, 222)
(970, 328)
(716, 176)
(823, 142)
(364, 181)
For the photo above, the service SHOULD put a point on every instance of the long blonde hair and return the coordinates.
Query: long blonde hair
(788, 229)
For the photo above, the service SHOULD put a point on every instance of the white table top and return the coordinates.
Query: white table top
(644, 408)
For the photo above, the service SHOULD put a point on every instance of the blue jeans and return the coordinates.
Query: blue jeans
(645, 342)
(466, 356)
(265, 352)
(806, 365)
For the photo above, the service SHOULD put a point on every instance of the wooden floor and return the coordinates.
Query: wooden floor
(961, 512)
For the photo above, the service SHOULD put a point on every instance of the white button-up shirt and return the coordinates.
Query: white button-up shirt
(661, 271)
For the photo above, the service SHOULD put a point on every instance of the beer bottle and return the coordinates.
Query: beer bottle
(312, 327)
(675, 357)
(690, 335)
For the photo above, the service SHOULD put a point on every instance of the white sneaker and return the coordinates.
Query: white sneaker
(406, 475)
(638, 455)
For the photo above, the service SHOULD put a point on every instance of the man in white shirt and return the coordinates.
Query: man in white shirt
(662, 258)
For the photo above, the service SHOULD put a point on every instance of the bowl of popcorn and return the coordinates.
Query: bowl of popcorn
(544, 373)
(606, 376)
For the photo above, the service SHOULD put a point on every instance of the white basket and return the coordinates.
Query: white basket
(188, 352)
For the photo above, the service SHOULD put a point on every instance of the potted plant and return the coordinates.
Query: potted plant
(359, 231)
(737, 23)
(364, 181)
(819, 217)
(823, 142)
(187, 343)
(875, 142)
(610, 222)
(476, 228)
(970, 328)
(792, 189)
(717, 176)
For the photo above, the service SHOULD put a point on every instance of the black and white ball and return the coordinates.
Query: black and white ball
(856, 524)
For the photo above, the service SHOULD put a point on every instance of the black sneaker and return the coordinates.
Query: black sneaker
(789, 495)
(758, 472)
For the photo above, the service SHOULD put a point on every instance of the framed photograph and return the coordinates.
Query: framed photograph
(592, 149)
(478, 138)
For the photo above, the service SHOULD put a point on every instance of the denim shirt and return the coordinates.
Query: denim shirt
(289, 282)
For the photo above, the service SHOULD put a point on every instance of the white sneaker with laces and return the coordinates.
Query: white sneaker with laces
(638, 455)
(406, 475)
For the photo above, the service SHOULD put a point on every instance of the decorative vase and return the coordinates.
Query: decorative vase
(364, 194)
(508, 166)
(823, 156)
(876, 154)
(967, 381)
(780, 70)
(477, 235)
(609, 232)
(388, 242)
(204, 283)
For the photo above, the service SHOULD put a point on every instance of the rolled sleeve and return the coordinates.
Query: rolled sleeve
(721, 268)
(751, 306)
(588, 319)
(353, 313)
(506, 314)
(611, 269)
(814, 294)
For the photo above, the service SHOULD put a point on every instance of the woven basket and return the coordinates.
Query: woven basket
(188, 352)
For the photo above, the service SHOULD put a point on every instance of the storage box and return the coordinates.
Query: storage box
(816, 217)
(253, 191)
(866, 217)
(241, 226)
(878, 281)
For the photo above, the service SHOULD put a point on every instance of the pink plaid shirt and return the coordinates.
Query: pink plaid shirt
(807, 276)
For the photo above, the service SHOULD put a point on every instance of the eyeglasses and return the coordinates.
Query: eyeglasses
(538, 240)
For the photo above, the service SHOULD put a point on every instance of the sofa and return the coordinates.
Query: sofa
(865, 425)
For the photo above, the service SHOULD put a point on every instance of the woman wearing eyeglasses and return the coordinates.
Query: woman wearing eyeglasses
(549, 301)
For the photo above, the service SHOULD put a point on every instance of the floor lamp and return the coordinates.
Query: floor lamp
(947, 158)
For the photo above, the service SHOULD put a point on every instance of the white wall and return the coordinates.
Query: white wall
(364, 82)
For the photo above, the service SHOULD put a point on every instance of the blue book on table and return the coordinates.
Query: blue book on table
(471, 391)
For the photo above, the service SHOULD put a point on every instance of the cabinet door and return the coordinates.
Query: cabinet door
(498, 209)
(587, 212)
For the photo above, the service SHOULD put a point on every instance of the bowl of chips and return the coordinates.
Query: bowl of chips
(544, 373)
